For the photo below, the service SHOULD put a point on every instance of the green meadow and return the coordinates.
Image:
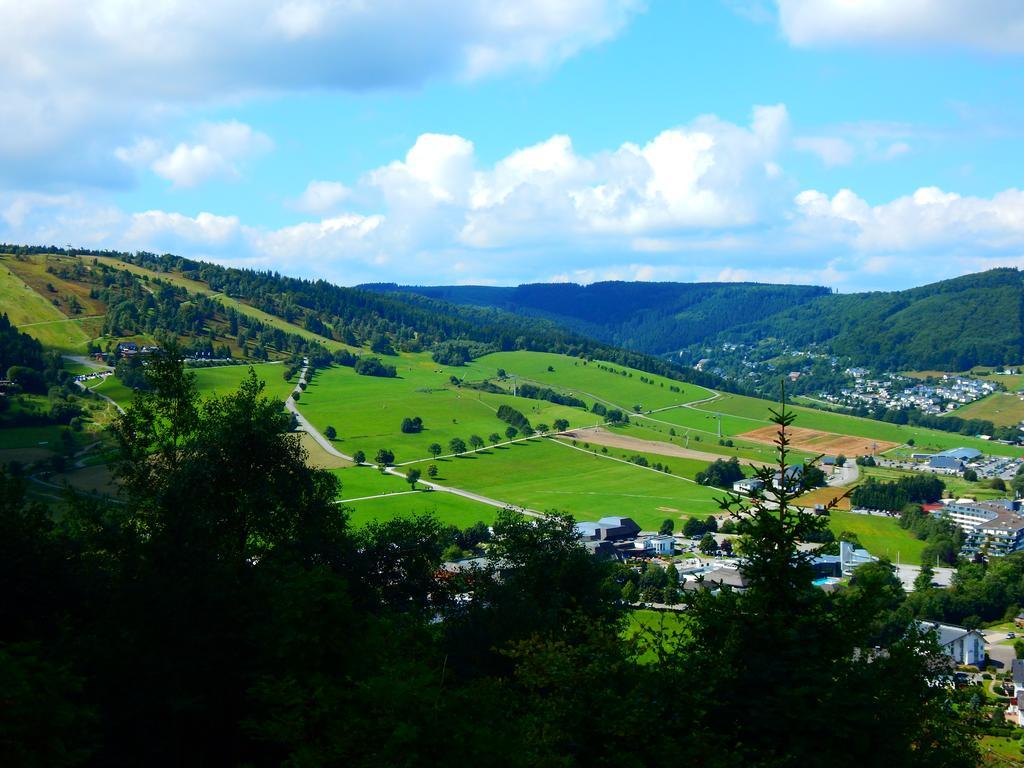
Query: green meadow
(589, 381)
(367, 411)
(881, 536)
(543, 474)
(220, 380)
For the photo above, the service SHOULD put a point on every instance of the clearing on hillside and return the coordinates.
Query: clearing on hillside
(816, 441)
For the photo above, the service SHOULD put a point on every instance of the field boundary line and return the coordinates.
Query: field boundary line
(623, 461)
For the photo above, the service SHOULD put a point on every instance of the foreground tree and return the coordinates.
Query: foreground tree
(785, 647)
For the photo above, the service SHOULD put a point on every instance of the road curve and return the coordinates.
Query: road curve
(324, 443)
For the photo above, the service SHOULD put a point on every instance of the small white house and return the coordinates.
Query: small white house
(964, 646)
(748, 485)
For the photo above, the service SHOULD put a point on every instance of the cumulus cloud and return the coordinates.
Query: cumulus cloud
(927, 219)
(216, 153)
(708, 174)
(993, 25)
(319, 197)
(82, 73)
(204, 228)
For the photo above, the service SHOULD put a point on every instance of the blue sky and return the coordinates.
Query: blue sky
(860, 145)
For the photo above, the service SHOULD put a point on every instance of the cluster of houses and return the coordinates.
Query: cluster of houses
(892, 392)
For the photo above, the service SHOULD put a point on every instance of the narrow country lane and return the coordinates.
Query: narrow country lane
(324, 443)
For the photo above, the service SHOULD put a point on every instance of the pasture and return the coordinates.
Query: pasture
(367, 411)
(220, 380)
(543, 474)
(610, 383)
(1004, 409)
(879, 535)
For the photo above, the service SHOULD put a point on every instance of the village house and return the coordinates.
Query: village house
(964, 646)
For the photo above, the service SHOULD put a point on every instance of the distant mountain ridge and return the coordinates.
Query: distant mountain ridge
(654, 318)
(954, 324)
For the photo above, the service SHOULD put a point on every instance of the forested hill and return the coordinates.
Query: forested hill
(654, 318)
(316, 314)
(950, 325)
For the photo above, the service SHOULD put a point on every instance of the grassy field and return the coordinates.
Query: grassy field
(544, 475)
(754, 412)
(367, 411)
(220, 380)
(589, 381)
(446, 507)
(881, 536)
(998, 750)
(37, 316)
(1001, 408)
(361, 482)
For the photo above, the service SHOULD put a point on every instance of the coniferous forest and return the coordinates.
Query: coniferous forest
(223, 612)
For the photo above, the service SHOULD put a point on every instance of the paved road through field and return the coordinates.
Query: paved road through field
(324, 443)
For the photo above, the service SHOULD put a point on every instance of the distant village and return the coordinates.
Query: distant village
(893, 391)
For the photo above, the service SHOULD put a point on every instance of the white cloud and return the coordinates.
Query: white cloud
(79, 78)
(708, 174)
(320, 197)
(219, 148)
(205, 228)
(928, 219)
(831, 150)
(993, 25)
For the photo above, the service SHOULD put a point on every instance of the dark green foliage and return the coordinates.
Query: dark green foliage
(982, 591)
(514, 418)
(19, 350)
(894, 496)
(330, 433)
(544, 393)
(413, 425)
(647, 317)
(371, 366)
(951, 325)
(721, 473)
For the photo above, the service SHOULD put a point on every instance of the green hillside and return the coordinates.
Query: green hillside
(950, 325)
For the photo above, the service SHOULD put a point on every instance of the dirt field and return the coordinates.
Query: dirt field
(824, 496)
(601, 436)
(816, 441)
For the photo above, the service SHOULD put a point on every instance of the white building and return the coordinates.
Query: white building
(964, 646)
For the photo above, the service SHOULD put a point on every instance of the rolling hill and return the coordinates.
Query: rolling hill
(654, 318)
(950, 325)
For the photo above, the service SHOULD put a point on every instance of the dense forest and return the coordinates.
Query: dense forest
(223, 612)
(950, 325)
(655, 318)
